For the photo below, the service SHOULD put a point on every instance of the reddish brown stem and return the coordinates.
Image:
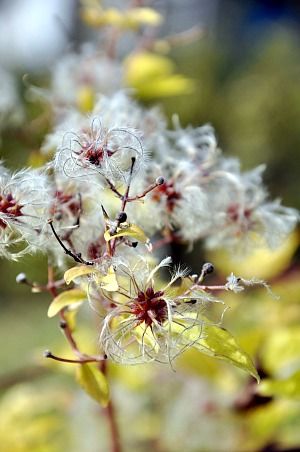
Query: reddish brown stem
(68, 334)
(113, 188)
(142, 195)
(111, 417)
(48, 354)
(123, 206)
(109, 410)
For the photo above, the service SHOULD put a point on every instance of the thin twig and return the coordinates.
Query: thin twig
(142, 195)
(48, 354)
(113, 188)
(77, 257)
(123, 206)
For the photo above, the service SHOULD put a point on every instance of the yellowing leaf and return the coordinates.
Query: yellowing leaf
(143, 16)
(131, 230)
(93, 20)
(153, 75)
(75, 272)
(109, 282)
(288, 387)
(94, 383)
(145, 66)
(262, 262)
(70, 317)
(171, 85)
(113, 16)
(67, 298)
(95, 16)
(266, 421)
(85, 99)
(281, 349)
(219, 343)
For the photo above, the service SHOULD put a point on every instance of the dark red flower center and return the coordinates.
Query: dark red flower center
(95, 154)
(167, 190)
(240, 216)
(95, 250)
(149, 306)
(65, 202)
(234, 213)
(10, 207)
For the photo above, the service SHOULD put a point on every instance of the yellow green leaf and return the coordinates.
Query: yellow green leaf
(266, 262)
(109, 282)
(219, 343)
(95, 16)
(288, 387)
(171, 85)
(64, 299)
(281, 349)
(93, 382)
(145, 66)
(143, 16)
(153, 75)
(112, 16)
(264, 422)
(75, 272)
(130, 230)
(71, 315)
(85, 98)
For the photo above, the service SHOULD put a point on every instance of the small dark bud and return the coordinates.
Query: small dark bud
(160, 180)
(105, 356)
(21, 278)
(47, 354)
(63, 324)
(58, 216)
(134, 244)
(121, 217)
(193, 301)
(207, 268)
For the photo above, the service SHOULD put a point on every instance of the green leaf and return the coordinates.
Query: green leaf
(75, 272)
(219, 343)
(93, 382)
(130, 230)
(288, 387)
(70, 297)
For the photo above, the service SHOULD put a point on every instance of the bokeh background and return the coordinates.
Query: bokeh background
(245, 63)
